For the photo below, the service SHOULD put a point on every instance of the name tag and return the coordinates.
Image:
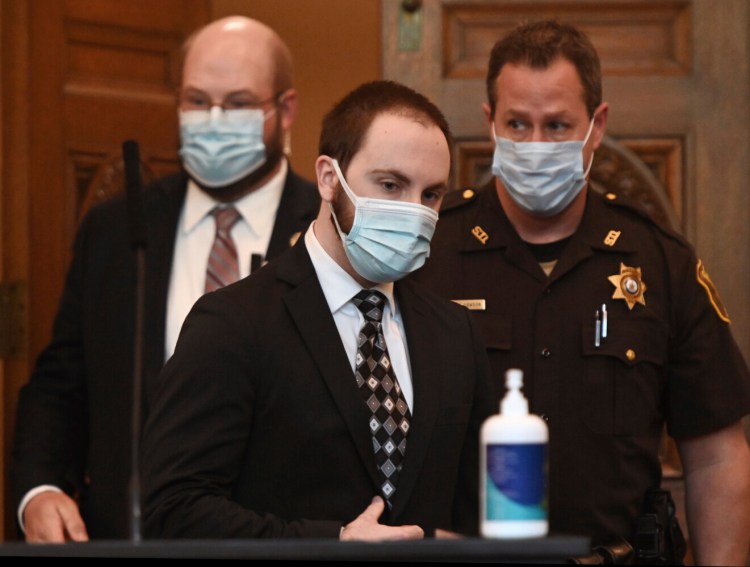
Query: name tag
(473, 304)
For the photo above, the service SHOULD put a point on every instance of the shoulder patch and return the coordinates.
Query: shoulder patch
(458, 198)
(713, 294)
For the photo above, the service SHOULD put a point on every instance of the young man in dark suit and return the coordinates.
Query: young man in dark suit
(72, 451)
(269, 421)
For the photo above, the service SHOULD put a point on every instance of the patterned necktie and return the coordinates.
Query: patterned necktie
(223, 267)
(380, 389)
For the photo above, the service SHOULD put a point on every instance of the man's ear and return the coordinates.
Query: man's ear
(288, 108)
(327, 178)
(600, 124)
(490, 120)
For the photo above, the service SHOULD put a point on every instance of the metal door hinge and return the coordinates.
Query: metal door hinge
(12, 319)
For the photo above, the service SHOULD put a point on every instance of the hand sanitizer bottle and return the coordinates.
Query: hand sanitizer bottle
(513, 469)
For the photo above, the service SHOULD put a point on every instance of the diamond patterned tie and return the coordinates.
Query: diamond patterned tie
(381, 391)
(223, 267)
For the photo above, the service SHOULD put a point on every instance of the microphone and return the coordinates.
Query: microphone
(134, 193)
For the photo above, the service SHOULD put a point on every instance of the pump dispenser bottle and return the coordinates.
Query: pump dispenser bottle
(513, 468)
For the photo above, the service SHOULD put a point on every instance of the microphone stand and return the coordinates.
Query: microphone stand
(138, 242)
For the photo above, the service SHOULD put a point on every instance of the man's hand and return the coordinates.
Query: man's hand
(53, 517)
(365, 527)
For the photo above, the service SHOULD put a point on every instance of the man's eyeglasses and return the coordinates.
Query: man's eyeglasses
(198, 100)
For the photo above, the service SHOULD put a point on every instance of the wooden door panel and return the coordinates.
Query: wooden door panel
(82, 77)
(675, 73)
(105, 71)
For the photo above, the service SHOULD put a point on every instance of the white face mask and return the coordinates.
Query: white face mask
(543, 178)
(220, 147)
(388, 239)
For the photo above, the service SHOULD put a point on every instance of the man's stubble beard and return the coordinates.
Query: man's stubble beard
(343, 209)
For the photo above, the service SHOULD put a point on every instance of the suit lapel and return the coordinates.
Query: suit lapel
(297, 209)
(424, 370)
(310, 312)
(165, 201)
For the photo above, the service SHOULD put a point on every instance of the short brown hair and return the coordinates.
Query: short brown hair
(345, 125)
(538, 45)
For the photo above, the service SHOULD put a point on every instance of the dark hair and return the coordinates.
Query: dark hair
(538, 45)
(345, 125)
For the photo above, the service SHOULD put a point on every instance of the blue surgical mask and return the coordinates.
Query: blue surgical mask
(220, 147)
(388, 239)
(542, 178)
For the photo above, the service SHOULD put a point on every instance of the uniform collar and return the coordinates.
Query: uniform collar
(488, 228)
(602, 230)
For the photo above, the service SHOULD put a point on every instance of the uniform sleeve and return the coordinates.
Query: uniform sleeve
(466, 503)
(197, 433)
(709, 383)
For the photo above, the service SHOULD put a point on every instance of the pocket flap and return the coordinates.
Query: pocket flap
(630, 339)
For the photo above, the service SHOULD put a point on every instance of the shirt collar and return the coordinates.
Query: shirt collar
(338, 286)
(254, 207)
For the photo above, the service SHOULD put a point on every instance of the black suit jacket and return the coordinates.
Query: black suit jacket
(258, 428)
(73, 425)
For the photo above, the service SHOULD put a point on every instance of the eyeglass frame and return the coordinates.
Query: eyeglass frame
(187, 106)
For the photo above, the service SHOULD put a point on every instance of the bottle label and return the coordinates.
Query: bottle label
(516, 482)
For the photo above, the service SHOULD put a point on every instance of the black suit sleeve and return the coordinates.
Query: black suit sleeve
(195, 440)
(466, 503)
(49, 439)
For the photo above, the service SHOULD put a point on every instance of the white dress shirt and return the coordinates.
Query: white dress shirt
(193, 240)
(195, 236)
(339, 288)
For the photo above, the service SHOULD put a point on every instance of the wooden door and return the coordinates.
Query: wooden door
(79, 78)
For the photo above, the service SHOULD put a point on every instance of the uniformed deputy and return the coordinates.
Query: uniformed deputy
(613, 320)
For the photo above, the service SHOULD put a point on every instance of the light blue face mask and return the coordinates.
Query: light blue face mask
(542, 178)
(220, 147)
(388, 239)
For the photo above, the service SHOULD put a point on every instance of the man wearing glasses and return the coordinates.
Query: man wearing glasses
(236, 204)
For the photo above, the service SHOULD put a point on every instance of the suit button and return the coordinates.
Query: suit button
(546, 353)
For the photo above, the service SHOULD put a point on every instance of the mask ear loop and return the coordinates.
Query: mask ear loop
(349, 193)
(586, 139)
(268, 114)
(344, 184)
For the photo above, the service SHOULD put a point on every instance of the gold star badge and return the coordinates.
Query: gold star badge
(629, 286)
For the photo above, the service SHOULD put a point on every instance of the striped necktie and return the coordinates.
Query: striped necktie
(223, 267)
